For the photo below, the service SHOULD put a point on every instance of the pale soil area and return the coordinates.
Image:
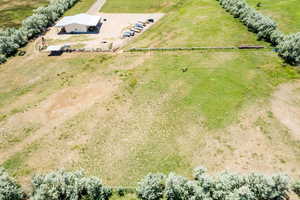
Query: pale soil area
(286, 106)
(56, 109)
(96, 7)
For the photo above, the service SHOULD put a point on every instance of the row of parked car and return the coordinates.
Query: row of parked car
(136, 28)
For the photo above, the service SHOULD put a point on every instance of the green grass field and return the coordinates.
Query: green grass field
(12, 12)
(192, 24)
(136, 6)
(121, 116)
(285, 13)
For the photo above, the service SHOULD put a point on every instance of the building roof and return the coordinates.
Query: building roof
(57, 47)
(82, 19)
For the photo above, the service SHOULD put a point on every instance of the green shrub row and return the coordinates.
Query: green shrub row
(288, 46)
(12, 39)
(224, 186)
(62, 185)
(58, 185)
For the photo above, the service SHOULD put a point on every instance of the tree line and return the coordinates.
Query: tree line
(63, 185)
(288, 46)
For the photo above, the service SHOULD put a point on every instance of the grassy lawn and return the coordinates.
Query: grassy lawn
(197, 23)
(285, 13)
(120, 116)
(12, 12)
(136, 6)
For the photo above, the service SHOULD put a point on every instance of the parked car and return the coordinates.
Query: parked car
(138, 28)
(143, 23)
(139, 25)
(126, 34)
(150, 20)
(135, 30)
(130, 32)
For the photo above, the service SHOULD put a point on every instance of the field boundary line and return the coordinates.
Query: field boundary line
(198, 48)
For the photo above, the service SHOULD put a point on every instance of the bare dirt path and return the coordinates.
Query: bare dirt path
(96, 7)
(286, 106)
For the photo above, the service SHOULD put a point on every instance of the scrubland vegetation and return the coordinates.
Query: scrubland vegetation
(266, 29)
(285, 13)
(121, 116)
(62, 185)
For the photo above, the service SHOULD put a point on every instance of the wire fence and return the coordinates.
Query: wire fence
(198, 48)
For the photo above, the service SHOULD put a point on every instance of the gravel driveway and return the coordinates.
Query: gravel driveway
(96, 7)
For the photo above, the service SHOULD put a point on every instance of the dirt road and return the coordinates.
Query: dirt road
(96, 7)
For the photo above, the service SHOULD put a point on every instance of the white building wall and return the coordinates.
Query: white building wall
(76, 28)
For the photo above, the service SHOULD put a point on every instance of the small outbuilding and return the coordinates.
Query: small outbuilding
(57, 50)
(81, 23)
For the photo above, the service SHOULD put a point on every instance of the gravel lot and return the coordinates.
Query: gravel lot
(111, 30)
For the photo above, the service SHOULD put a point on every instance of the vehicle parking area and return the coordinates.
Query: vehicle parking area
(111, 32)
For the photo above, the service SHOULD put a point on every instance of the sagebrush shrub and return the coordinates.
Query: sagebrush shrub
(62, 185)
(9, 189)
(242, 193)
(177, 187)
(255, 21)
(151, 187)
(224, 186)
(2, 58)
(296, 187)
(289, 49)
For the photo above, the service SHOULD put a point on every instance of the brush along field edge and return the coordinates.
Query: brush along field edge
(288, 46)
(76, 185)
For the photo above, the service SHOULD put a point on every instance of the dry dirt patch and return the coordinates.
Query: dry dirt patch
(286, 106)
(256, 142)
(56, 109)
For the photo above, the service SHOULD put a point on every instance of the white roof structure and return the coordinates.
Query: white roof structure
(57, 47)
(82, 19)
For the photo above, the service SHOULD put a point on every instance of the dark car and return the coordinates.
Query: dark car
(150, 20)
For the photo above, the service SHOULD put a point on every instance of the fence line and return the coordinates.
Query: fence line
(196, 48)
